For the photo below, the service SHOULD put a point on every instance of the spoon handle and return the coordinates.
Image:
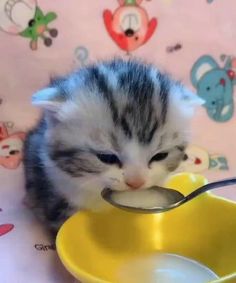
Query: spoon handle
(210, 186)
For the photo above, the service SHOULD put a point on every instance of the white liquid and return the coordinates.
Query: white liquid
(165, 268)
(141, 199)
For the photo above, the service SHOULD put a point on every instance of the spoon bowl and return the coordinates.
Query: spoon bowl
(170, 198)
(160, 199)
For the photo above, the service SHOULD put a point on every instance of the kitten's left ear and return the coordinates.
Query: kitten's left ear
(48, 98)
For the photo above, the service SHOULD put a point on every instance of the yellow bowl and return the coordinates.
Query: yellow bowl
(93, 246)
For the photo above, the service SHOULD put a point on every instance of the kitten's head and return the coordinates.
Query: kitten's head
(121, 123)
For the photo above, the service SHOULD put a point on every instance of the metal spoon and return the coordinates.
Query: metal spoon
(173, 197)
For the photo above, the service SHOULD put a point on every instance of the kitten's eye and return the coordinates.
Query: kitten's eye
(159, 156)
(109, 159)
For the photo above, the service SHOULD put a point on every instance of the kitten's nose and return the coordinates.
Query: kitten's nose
(135, 183)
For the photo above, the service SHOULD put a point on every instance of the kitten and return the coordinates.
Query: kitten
(117, 124)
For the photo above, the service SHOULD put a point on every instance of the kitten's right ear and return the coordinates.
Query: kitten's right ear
(48, 98)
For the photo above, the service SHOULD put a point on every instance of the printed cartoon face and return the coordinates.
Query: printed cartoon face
(195, 160)
(10, 148)
(11, 152)
(132, 23)
(129, 25)
(16, 14)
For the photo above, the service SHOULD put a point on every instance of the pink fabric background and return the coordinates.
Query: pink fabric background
(200, 27)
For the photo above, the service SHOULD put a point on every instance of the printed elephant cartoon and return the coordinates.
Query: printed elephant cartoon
(26, 19)
(215, 85)
(129, 25)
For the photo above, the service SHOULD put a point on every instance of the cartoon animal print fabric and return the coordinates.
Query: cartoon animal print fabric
(26, 19)
(215, 85)
(129, 25)
(192, 40)
(10, 148)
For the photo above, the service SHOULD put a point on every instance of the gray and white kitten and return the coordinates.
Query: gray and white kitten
(117, 124)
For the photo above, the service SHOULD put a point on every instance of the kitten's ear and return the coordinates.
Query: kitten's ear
(48, 98)
(185, 99)
(191, 98)
(186, 96)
